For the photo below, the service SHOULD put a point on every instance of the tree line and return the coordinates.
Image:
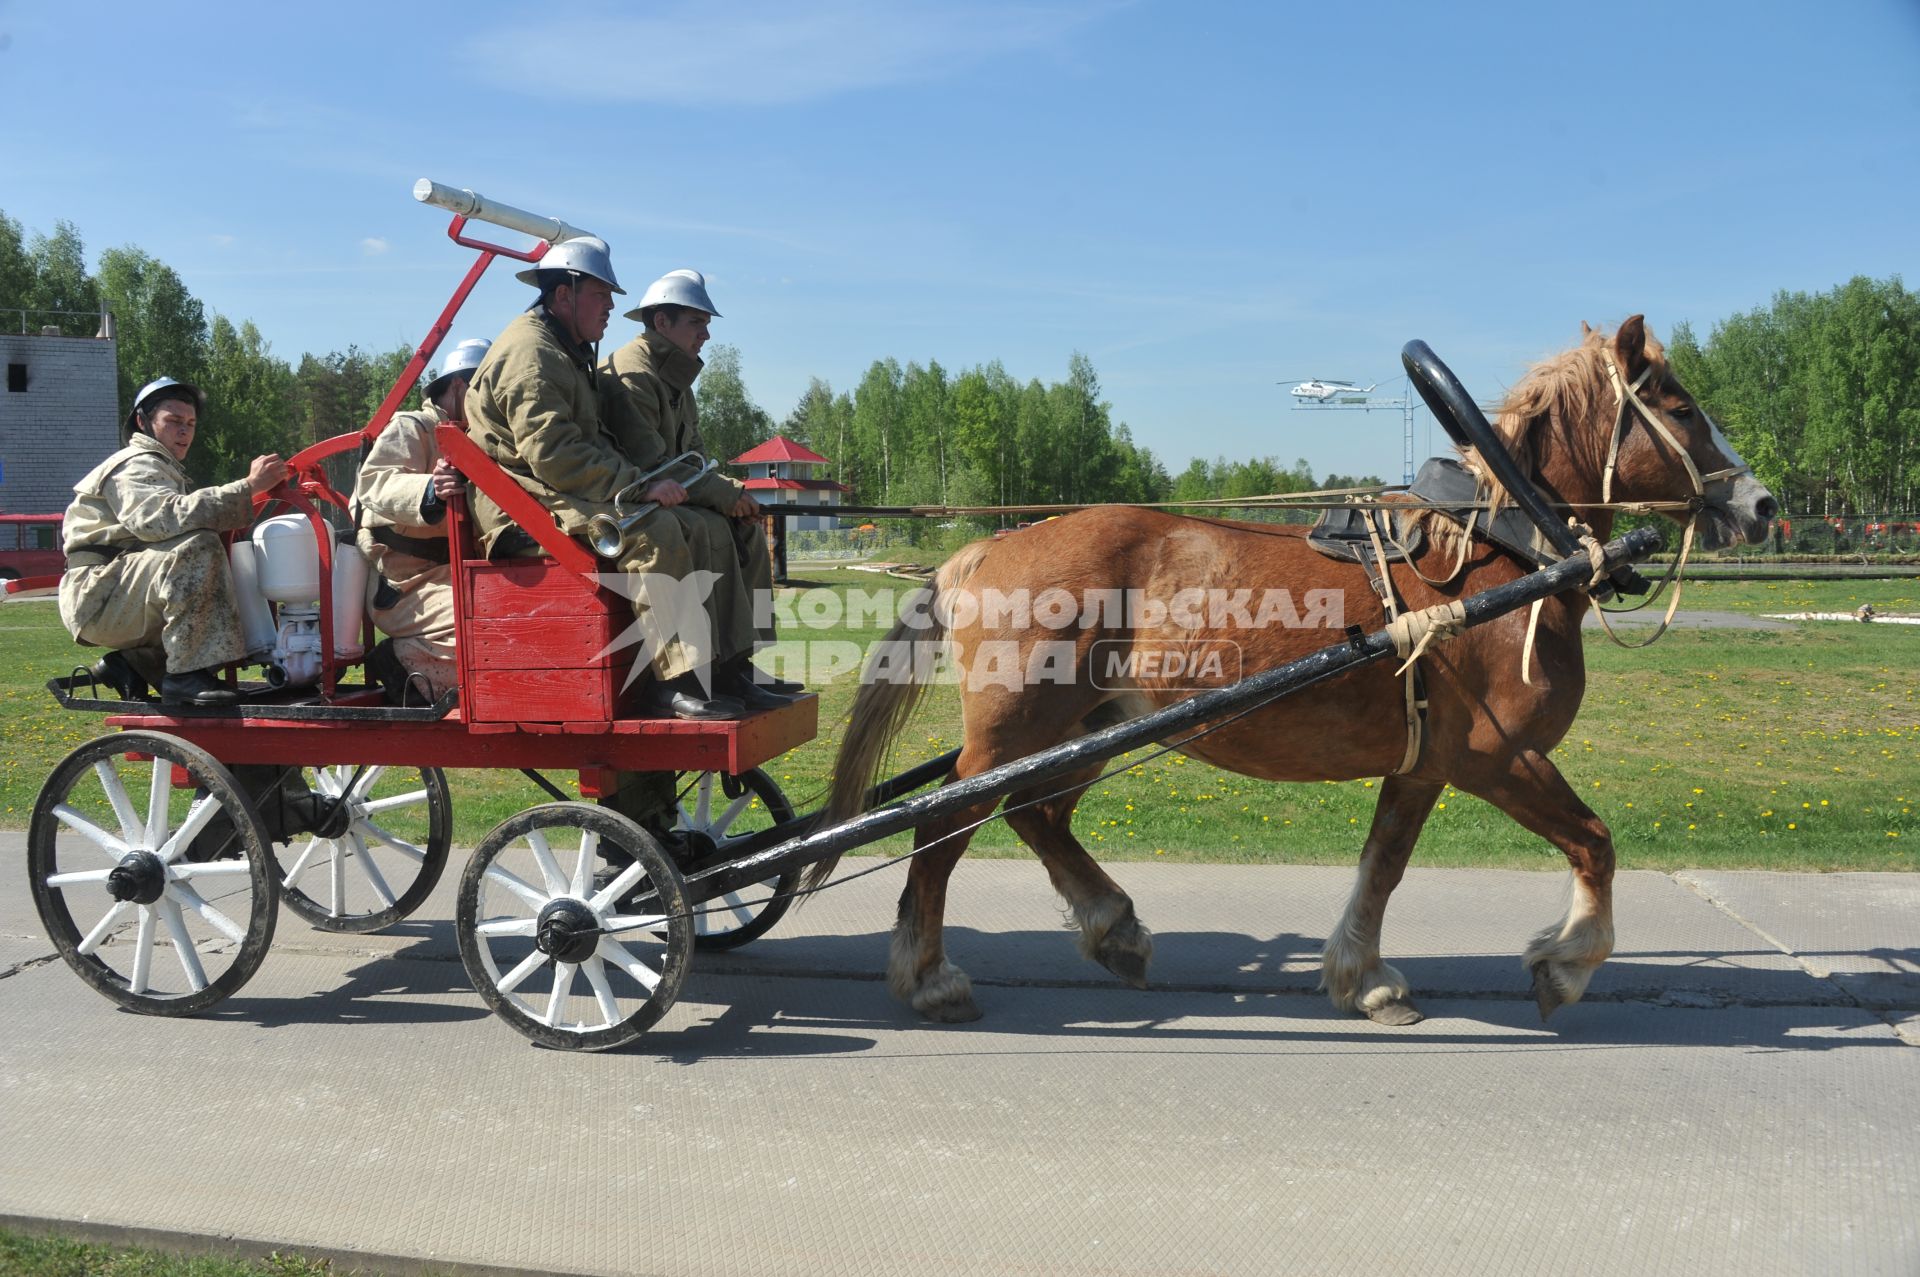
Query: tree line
(919, 435)
(1820, 392)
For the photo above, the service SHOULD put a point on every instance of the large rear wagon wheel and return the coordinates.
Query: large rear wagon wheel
(565, 964)
(718, 810)
(165, 910)
(379, 849)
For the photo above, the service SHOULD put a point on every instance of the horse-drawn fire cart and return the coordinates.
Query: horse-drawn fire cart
(159, 853)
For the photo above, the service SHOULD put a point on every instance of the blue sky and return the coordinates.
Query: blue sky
(1205, 198)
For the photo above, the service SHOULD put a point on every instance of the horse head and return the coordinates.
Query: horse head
(1662, 448)
(1607, 424)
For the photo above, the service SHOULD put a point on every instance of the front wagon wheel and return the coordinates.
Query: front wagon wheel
(151, 874)
(571, 954)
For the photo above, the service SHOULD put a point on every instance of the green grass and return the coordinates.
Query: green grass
(24, 1255)
(1795, 749)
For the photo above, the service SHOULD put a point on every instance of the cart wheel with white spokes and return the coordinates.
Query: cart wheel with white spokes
(745, 804)
(377, 848)
(165, 910)
(566, 963)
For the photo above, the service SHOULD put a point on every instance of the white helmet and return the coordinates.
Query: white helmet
(675, 288)
(180, 390)
(464, 359)
(582, 255)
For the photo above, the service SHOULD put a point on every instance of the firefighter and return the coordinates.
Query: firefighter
(534, 407)
(653, 417)
(146, 572)
(400, 507)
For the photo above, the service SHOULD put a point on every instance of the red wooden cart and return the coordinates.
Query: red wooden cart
(158, 853)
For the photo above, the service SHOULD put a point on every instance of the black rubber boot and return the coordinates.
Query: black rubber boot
(196, 687)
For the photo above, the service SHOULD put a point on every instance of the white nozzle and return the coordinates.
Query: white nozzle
(478, 207)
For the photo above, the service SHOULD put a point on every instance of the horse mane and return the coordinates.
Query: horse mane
(1557, 393)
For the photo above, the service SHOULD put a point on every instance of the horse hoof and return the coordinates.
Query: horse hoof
(1396, 1014)
(1546, 993)
(1126, 950)
(952, 1011)
(1131, 967)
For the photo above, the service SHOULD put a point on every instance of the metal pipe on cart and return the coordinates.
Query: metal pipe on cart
(1338, 658)
(479, 208)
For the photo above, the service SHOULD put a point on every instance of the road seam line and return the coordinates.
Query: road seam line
(1884, 1015)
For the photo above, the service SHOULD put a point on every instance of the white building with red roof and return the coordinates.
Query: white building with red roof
(784, 471)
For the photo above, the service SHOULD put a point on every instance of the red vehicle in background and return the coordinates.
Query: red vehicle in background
(30, 546)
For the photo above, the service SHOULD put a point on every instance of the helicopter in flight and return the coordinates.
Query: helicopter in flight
(1322, 391)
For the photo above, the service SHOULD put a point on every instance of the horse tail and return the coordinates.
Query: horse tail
(882, 706)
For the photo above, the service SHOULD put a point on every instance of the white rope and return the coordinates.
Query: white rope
(1414, 632)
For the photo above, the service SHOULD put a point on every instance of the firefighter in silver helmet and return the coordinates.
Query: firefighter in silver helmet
(400, 508)
(653, 417)
(146, 572)
(535, 408)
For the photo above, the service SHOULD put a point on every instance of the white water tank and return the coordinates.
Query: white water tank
(256, 614)
(287, 564)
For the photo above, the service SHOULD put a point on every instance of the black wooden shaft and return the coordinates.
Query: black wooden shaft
(886, 791)
(1148, 729)
(1463, 421)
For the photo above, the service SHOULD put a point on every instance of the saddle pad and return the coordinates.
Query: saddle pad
(1443, 483)
(1446, 483)
(1341, 533)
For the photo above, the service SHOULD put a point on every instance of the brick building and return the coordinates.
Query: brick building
(58, 414)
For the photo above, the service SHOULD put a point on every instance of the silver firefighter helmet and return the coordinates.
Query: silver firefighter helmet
(131, 426)
(581, 255)
(464, 358)
(675, 288)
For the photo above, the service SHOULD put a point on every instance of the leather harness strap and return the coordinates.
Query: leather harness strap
(1380, 575)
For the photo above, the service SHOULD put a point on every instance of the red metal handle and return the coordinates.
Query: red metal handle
(459, 223)
(308, 458)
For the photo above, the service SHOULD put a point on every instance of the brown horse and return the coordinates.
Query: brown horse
(1034, 680)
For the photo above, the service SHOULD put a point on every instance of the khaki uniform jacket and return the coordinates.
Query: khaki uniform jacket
(145, 569)
(141, 495)
(652, 415)
(534, 407)
(418, 613)
(393, 481)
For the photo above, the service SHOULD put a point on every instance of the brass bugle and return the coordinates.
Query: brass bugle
(608, 533)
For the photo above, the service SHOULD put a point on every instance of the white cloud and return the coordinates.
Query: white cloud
(766, 52)
(373, 246)
(221, 240)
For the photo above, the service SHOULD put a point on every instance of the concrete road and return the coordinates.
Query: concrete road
(1738, 1095)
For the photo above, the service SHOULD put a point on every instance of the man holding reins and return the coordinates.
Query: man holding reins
(653, 417)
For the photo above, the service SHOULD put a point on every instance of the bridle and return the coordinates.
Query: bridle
(1627, 397)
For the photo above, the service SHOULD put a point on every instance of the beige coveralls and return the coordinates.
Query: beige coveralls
(409, 555)
(652, 416)
(534, 407)
(146, 572)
